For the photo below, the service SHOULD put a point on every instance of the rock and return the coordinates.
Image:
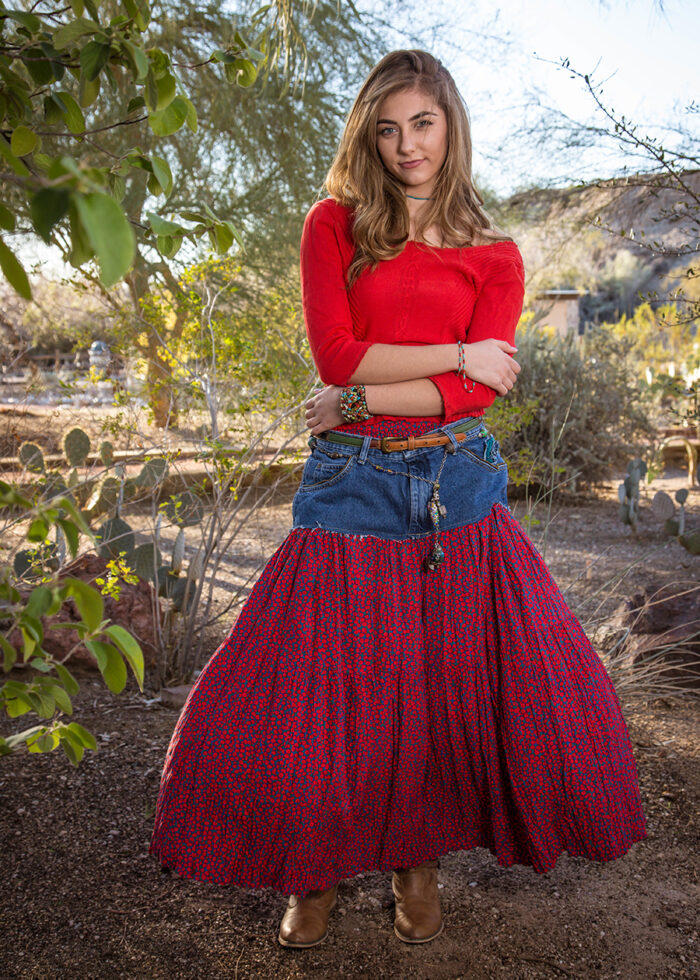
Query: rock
(134, 611)
(663, 627)
(175, 697)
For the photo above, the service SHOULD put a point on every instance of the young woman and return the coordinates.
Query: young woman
(405, 678)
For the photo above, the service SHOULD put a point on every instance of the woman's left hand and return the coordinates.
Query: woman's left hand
(323, 410)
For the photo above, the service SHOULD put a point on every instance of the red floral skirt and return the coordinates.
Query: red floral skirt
(364, 714)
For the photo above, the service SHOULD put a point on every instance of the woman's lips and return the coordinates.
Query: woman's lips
(411, 163)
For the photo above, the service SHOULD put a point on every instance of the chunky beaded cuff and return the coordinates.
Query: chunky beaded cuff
(353, 404)
(461, 367)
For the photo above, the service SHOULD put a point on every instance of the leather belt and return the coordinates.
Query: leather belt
(393, 444)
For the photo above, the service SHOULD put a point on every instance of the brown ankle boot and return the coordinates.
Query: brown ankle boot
(305, 922)
(418, 916)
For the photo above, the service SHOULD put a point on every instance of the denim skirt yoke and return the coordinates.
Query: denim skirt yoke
(355, 489)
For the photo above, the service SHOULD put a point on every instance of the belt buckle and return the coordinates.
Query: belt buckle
(382, 443)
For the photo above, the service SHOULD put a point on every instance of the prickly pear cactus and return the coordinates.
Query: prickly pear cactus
(691, 541)
(105, 496)
(106, 453)
(31, 457)
(76, 446)
(178, 552)
(153, 472)
(628, 492)
(681, 497)
(146, 560)
(53, 485)
(114, 536)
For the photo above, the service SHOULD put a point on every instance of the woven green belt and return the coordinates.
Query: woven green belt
(388, 443)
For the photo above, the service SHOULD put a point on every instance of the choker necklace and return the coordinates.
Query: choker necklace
(419, 198)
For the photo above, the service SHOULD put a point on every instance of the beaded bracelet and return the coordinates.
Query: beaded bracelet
(353, 404)
(461, 368)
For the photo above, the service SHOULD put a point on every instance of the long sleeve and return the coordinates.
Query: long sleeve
(334, 348)
(496, 312)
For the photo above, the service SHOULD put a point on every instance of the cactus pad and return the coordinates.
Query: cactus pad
(115, 535)
(76, 446)
(662, 507)
(106, 453)
(31, 457)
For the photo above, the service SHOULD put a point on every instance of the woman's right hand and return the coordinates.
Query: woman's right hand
(490, 363)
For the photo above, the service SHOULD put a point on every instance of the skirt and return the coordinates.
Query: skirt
(375, 707)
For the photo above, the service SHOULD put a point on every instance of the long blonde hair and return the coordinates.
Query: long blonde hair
(358, 178)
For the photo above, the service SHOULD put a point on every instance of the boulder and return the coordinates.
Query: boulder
(662, 626)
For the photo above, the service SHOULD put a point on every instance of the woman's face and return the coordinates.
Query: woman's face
(412, 139)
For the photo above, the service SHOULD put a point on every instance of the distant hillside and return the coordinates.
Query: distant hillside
(563, 248)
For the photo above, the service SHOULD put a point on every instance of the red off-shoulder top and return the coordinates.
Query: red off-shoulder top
(425, 295)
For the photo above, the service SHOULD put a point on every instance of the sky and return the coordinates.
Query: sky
(646, 59)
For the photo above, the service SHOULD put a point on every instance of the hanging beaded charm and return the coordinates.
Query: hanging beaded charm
(461, 368)
(436, 510)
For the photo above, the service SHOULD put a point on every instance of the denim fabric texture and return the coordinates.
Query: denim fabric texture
(347, 489)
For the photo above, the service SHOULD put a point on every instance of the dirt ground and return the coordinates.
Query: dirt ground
(81, 897)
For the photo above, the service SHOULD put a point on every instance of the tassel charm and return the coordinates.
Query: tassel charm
(436, 510)
(435, 558)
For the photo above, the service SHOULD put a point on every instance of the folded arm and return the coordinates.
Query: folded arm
(400, 372)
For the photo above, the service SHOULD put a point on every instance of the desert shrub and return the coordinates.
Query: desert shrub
(32, 594)
(577, 411)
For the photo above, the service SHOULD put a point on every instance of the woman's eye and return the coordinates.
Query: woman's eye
(383, 132)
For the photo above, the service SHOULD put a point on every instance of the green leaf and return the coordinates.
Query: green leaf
(72, 534)
(67, 679)
(65, 503)
(86, 738)
(130, 648)
(88, 90)
(163, 174)
(242, 72)
(7, 219)
(166, 91)
(43, 704)
(191, 116)
(62, 699)
(41, 665)
(47, 207)
(88, 601)
(14, 272)
(39, 602)
(38, 530)
(39, 65)
(236, 234)
(9, 654)
(165, 122)
(224, 238)
(74, 118)
(73, 751)
(18, 705)
(161, 226)
(110, 234)
(138, 57)
(30, 21)
(14, 162)
(68, 34)
(23, 141)
(93, 57)
(139, 11)
(32, 634)
(110, 662)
